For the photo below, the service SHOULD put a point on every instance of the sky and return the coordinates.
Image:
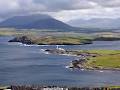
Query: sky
(63, 10)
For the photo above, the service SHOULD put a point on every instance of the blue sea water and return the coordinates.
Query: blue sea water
(23, 64)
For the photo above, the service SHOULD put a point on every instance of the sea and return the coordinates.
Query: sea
(22, 64)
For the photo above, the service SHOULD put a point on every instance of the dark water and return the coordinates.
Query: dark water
(21, 64)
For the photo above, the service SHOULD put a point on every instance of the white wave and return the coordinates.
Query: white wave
(19, 43)
(31, 45)
(26, 45)
(68, 54)
(51, 45)
(46, 53)
(44, 45)
(14, 43)
(61, 45)
(82, 69)
(42, 50)
(101, 71)
(66, 66)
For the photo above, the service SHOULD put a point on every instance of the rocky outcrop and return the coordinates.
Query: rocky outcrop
(22, 39)
(56, 51)
(82, 57)
(77, 63)
(71, 52)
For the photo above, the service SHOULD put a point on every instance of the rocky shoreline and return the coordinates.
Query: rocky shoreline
(79, 63)
(82, 59)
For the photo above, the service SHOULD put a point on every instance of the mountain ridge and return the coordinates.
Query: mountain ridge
(36, 21)
(105, 23)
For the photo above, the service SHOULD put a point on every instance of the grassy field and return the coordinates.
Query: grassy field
(107, 59)
(15, 33)
(7, 33)
(63, 40)
(52, 40)
(101, 36)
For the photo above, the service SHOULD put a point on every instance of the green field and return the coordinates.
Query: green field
(15, 33)
(107, 59)
(51, 40)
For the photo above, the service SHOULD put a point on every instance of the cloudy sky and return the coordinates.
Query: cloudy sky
(64, 10)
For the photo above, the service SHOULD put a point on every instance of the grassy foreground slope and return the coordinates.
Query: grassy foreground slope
(107, 59)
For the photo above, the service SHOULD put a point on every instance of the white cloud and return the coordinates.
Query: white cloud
(99, 12)
(108, 3)
(62, 9)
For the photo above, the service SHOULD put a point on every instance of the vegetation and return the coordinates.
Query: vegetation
(107, 59)
(12, 32)
(107, 36)
(51, 40)
(7, 33)
(103, 36)
(96, 59)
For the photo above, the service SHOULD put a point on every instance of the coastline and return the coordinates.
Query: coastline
(82, 59)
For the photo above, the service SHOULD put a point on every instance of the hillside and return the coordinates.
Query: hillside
(36, 21)
(103, 23)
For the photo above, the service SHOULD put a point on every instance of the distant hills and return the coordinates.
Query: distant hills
(103, 23)
(43, 21)
(35, 21)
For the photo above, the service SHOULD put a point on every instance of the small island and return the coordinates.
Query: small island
(51, 40)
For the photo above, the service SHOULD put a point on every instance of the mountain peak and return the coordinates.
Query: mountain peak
(37, 16)
(34, 21)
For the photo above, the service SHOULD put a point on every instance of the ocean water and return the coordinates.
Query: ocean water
(27, 65)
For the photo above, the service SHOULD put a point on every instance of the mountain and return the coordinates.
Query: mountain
(36, 21)
(104, 23)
